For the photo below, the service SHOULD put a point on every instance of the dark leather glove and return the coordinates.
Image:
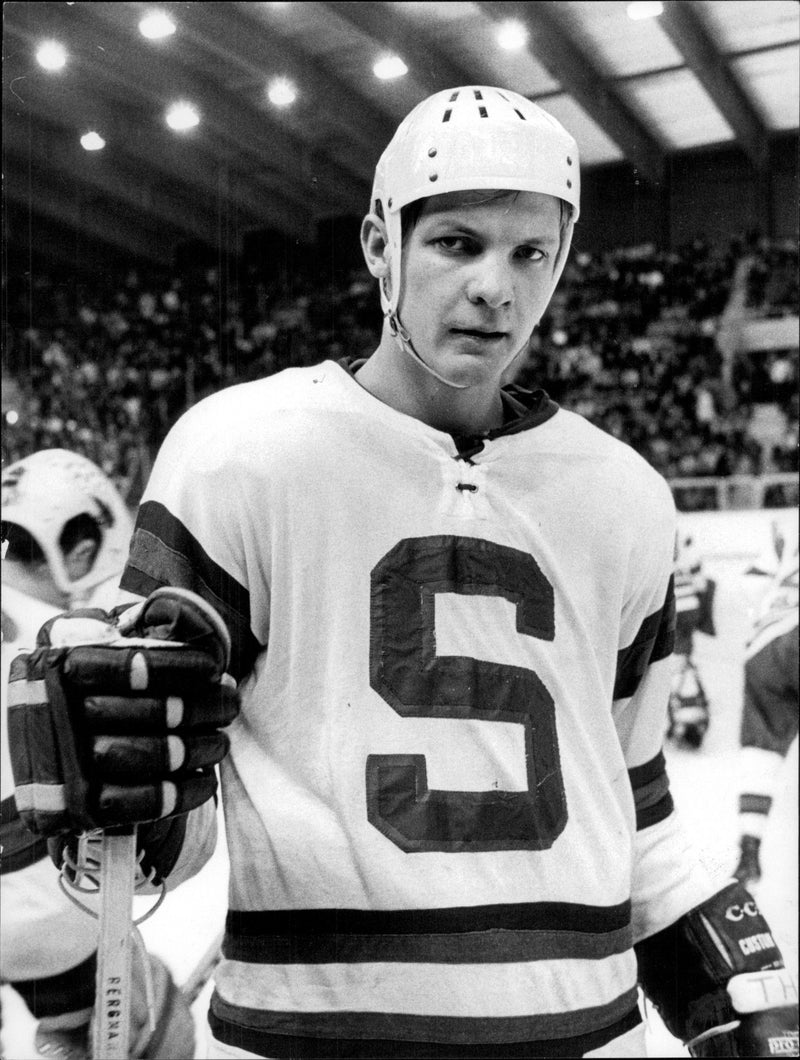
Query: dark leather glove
(115, 719)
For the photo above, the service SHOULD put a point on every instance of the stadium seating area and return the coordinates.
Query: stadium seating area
(628, 342)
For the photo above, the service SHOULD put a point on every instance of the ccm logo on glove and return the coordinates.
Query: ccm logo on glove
(739, 912)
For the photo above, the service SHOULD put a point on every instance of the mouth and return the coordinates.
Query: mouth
(480, 333)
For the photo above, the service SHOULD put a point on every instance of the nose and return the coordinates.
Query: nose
(491, 283)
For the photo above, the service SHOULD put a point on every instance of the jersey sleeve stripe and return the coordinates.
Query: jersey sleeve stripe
(164, 552)
(654, 641)
(557, 1034)
(749, 803)
(651, 794)
(20, 847)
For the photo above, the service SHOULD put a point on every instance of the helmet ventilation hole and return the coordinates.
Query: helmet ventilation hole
(520, 114)
(454, 96)
(478, 94)
(483, 112)
(447, 114)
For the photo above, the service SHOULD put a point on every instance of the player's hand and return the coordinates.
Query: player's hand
(765, 1004)
(115, 719)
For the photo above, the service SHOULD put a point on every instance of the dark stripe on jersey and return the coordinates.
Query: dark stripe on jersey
(70, 991)
(654, 641)
(482, 934)
(651, 794)
(164, 552)
(755, 804)
(20, 848)
(365, 1035)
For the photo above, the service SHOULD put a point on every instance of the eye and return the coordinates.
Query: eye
(531, 253)
(456, 244)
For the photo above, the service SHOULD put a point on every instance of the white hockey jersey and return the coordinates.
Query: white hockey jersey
(446, 806)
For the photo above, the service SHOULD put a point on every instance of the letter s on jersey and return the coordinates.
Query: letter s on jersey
(406, 672)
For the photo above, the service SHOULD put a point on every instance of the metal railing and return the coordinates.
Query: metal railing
(736, 492)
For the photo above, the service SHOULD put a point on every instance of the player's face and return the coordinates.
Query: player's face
(79, 560)
(477, 276)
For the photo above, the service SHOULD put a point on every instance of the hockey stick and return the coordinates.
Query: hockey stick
(113, 988)
(203, 970)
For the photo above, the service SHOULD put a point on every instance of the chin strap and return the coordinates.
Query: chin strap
(403, 340)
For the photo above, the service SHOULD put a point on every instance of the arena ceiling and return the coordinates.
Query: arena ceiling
(703, 73)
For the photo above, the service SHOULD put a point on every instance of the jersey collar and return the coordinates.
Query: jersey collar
(523, 409)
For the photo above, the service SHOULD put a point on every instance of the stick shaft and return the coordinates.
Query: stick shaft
(113, 990)
(203, 970)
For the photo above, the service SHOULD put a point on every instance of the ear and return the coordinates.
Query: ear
(375, 245)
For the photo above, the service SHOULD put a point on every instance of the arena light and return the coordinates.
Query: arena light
(388, 67)
(92, 141)
(512, 35)
(645, 9)
(182, 116)
(12, 417)
(281, 92)
(51, 55)
(156, 25)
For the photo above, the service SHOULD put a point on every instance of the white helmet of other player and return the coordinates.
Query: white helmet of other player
(57, 496)
(464, 139)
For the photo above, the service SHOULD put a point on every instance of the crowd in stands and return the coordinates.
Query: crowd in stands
(772, 279)
(628, 342)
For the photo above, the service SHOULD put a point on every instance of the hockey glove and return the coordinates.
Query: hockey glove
(717, 978)
(115, 719)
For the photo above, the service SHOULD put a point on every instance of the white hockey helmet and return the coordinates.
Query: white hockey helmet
(473, 138)
(43, 492)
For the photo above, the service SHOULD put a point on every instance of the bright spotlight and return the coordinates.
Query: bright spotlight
(182, 116)
(281, 92)
(389, 67)
(92, 141)
(645, 9)
(12, 417)
(156, 25)
(512, 35)
(51, 55)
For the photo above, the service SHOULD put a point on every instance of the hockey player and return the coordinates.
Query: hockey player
(770, 713)
(694, 596)
(66, 532)
(451, 610)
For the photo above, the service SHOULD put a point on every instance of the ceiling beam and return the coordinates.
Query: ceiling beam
(112, 64)
(552, 45)
(682, 23)
(57, 150)
(241, 35)
(33, 242)
(135, 137)
(311, 179)
(67, 204)
(428, 65)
